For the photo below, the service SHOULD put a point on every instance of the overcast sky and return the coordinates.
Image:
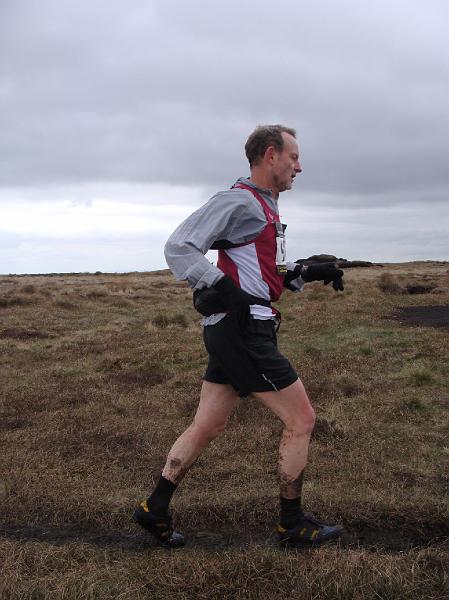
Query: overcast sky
(119, 118)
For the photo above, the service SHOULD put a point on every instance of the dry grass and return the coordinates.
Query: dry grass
(388, 284)
(99, 374)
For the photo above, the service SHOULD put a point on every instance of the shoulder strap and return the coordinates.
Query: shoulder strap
(255, 193)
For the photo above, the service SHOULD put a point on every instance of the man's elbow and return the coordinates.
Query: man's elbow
(174, 249)
(169, 251)
(175, 259)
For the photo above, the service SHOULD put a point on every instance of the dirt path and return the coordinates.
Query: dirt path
(392, 539)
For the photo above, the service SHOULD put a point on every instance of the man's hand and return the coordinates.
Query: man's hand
(224, 296)
(231, 295)
(291, 276)
(208, 302)
(326, 272)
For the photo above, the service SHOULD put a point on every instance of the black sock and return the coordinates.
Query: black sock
(291, 512)
(160, 498)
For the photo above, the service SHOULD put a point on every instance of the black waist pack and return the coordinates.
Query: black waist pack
(208, 301)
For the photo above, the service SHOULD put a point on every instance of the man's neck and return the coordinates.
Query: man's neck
(264, 181)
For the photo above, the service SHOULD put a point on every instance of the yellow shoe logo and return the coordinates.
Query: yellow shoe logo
(280, 529)
(144, 505)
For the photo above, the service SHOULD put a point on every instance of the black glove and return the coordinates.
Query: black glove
(232, 296)
(326, 272)
(291, 275)
(234, 299)
(208, 301)
(221, 297)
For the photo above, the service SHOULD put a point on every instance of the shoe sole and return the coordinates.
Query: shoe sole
(292, 543)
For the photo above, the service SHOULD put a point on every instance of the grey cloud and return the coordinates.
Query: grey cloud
(386, 233)
(168, 91)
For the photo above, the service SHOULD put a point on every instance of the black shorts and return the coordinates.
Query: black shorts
(249, 360)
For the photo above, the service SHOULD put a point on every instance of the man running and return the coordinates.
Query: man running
(240, 330)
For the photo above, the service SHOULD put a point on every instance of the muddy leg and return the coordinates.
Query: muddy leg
(217, 402)
(293, 407)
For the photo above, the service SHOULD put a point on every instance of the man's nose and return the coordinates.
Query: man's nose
(298, 167)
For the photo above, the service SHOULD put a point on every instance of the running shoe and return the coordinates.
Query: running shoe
(308, 531)
(160, 526)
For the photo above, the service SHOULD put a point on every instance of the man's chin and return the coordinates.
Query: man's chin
(284, 186)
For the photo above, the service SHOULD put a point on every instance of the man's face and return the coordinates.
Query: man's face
(285, 164)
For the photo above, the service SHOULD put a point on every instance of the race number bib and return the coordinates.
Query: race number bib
(281, 256)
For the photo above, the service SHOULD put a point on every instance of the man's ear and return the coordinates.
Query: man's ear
(270, 154)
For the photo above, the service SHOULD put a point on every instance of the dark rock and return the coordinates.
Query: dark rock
(347, 264)
(322, 258)
(341, 262)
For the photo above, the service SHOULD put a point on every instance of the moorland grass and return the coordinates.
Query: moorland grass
(99, 374)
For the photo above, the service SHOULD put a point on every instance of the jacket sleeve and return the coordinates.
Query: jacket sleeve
(233, 215)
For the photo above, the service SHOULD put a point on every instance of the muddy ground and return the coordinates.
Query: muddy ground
(424, 316)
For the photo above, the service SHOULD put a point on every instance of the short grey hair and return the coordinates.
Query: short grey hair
(262, 138)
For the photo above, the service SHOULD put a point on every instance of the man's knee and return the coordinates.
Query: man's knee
(302, 421)
(208, 430)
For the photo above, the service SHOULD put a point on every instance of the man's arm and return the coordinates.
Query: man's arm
(233, 215)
